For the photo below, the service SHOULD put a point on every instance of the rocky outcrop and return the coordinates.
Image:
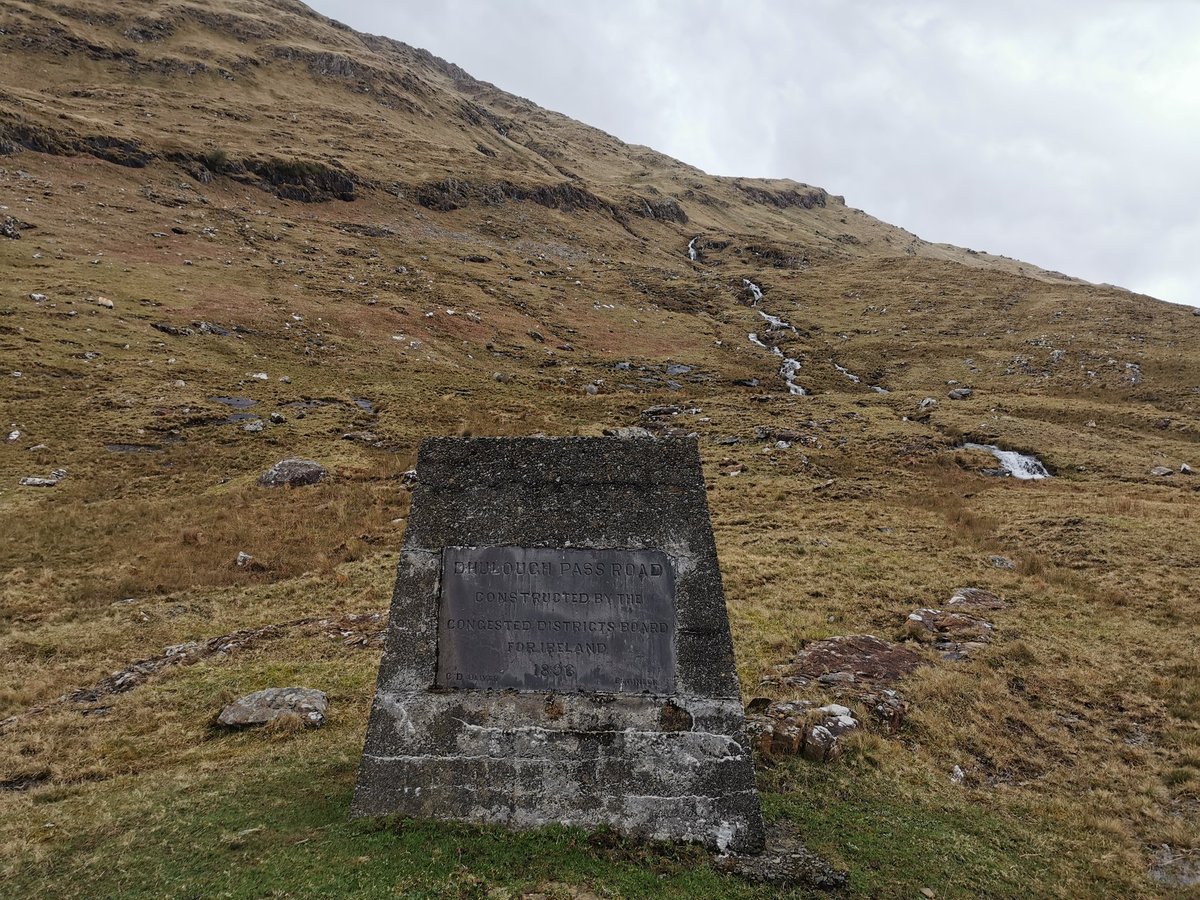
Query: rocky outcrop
(777, 257)
(802, 196)
(304, 180)
(659, 209)
(452, 193)
(16, 134)
(863, 656)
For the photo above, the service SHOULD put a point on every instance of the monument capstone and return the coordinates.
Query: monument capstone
(558, 649)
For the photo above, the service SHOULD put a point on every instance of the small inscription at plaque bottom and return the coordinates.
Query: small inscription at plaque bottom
(541, 619)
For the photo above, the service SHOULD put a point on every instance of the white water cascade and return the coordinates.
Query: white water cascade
(754, 289)
(1018, 465)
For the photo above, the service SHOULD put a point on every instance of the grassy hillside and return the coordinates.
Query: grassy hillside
(219, 191)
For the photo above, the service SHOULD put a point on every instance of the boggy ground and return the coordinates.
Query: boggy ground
(389, 319)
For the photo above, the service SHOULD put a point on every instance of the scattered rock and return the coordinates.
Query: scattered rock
(591, 390)
(54, 478)
(210, 328)
(887, 707)
(243, 559)
(1185, 469)
(784, 863)
(37, 298)
(253, 427)
(794, 728)
(957, 775)
(293, 473)
(502, 377)
(13, 435)
(260, 376)
(265, 706)
(361, 437)
(927, 404)
(277, 418)
(659, 412)
(1002, 562)
(960, 393)
(836, 678)
(729, 468)
(955, 635)
(173, 330)
(105, 302)
(1162, 471)
(941, 626)
(12, 228)
(975, 598)
(629, 432)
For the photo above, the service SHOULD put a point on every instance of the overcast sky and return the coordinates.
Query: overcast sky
(1063, 133)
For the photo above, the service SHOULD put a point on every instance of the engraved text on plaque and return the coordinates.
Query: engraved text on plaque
(542, 619)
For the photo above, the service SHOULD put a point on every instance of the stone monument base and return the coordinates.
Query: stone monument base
(558, 649)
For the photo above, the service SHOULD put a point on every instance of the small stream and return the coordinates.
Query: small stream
(776, 323)
(787, 371)
(1018, 465)
(847, 373)
(789, 368)
(693, 255)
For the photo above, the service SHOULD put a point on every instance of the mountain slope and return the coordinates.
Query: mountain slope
(218, 211)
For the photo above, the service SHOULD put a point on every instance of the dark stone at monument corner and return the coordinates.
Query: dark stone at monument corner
(558, 649)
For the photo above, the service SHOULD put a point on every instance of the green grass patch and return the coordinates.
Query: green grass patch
(897, 837)
(276, 826)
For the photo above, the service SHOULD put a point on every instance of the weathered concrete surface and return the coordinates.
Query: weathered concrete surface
(672, 766)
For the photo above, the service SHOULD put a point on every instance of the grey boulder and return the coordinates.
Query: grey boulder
(265, 706)
(293, 472)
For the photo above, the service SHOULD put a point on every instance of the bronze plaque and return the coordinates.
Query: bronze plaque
(539, 619)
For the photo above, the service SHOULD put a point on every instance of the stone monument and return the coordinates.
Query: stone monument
(558, 649)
